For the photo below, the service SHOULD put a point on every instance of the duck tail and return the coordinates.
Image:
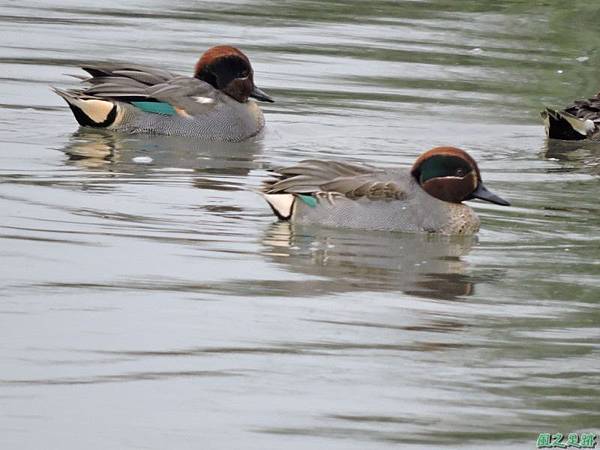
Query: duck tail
(565, 126)
(89, 111)
(281, 204)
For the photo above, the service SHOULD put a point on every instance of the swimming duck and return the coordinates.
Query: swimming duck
(213, 104)
(581, 120)
(426, 198)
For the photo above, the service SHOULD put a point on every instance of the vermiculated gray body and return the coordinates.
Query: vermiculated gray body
(118, 97)
(227, 120)
(362, 197)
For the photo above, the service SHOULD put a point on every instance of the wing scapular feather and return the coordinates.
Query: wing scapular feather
(141, 86)
(351, 180)
(143, 74)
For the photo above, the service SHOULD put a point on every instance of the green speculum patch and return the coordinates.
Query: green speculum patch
(308, 199)
(155, 108)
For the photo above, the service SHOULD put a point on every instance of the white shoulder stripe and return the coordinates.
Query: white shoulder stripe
(203, 100)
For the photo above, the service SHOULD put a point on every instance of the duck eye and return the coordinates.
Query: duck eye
(460, 172)
(244, 74)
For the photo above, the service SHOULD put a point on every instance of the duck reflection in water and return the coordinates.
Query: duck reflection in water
(574, 156)
(348, 261)
(92, 149)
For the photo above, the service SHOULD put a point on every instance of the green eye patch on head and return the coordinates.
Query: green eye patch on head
(440, 166)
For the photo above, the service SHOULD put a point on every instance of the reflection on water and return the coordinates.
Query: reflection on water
(341, 261)
(575, 156)
(109, 151)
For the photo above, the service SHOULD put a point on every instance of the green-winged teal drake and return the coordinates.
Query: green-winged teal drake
(214, 104)
(426, 198)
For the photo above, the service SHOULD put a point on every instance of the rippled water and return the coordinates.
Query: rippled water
(158, 305)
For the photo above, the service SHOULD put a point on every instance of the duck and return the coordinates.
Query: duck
(213, 104)
(426, 198)
(578, 121)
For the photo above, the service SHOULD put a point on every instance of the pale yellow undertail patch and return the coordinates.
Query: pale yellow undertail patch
(281, 203)
(97, 110)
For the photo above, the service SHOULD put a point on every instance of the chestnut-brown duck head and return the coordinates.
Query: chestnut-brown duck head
(226, 68)
(451, 175)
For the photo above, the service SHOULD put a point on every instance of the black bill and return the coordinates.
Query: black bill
(260, 95)
(482, 193)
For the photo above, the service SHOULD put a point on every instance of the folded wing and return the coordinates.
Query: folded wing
(351, 180)
(149, 89)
